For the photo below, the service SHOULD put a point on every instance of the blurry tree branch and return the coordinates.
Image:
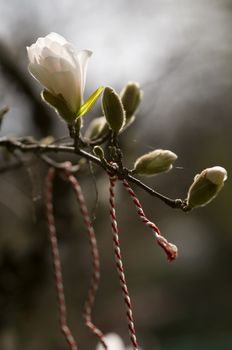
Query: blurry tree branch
(12, 71)
(3, 111)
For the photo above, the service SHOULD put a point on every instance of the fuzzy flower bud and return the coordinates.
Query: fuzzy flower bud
(113, 109)
(154, 162)
(97, 128)
(206, 186)
(131, 96)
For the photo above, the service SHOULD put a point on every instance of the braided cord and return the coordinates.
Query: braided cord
(119, 265)
(94, 283)
(169, 248)
(56, 260)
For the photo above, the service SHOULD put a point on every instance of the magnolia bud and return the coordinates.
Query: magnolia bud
(113, 109)
(206, 186)
(98, 151)
(60, 106)
(129, 121)
(97, 128)
(154, 162)
(48, 140)
(131, 96)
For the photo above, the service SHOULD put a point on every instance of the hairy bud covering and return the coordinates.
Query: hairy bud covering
(206, 186)
(97, 128)
(113, 109)
(154, 162)
(131, 96)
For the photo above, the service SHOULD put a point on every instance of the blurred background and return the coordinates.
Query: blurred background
(180, 52)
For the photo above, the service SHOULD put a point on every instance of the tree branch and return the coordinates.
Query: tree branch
(33, 146)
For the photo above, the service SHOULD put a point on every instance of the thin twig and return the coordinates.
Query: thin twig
(37, 148)
(169, 248)
(56, 165)
(173, 203)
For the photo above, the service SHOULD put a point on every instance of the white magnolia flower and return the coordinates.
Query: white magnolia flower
(60, 68)
(113, 342)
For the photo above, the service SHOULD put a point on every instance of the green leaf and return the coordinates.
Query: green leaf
(90, 102)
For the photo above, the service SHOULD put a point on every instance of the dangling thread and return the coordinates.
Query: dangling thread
(94, 253)
(169, 248)
(119, 264)
(56, 260)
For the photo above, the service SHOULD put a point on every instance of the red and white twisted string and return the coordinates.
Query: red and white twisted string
(169, 248)
(56, 260)
(119, 264)
(94, 253)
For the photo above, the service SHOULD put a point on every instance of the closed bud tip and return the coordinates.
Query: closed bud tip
(206, 186)
(131, 96)
(154, 162)
(217, 175)
(113, 109)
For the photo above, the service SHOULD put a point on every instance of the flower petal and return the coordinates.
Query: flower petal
(51, 64)
(31, 53)
(83, 56)
(54, 37)
(76, 74)
(64, 83)
(60, 67)
(41, 75)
